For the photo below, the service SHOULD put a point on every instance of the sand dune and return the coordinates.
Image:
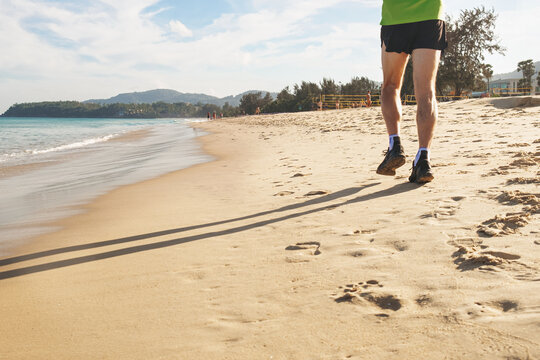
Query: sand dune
(290, 246)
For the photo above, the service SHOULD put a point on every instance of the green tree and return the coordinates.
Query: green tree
(285, 102)
(250, 102)
(329, 87)
(487, 73)
(469, 37)
(359, 86)
(266, 100)
(229, 110)
(526, 67)
(304, 94)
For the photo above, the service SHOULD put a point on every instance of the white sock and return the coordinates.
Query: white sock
(391, 146)
(418, 155)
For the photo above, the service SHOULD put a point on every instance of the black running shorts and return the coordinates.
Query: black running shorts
(430, 34)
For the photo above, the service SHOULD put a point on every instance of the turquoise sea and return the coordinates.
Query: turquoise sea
(50, 166)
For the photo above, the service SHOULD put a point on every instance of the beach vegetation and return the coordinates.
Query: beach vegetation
(285, 102)
(359, 86)
(329, 87)
(487, 73)
(300, 98)
(304, 94)
(75, 109)
(250, 102)
(526, 67)
(470, 37)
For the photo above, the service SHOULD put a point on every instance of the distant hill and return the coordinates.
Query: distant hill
(515, 74)
(171, 97)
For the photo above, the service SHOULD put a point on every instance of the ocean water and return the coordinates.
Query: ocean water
(49, 166)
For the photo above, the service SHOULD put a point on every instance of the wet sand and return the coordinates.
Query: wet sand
(289, 246)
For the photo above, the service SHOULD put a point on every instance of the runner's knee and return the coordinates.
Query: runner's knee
(391, 89)
(425, 96)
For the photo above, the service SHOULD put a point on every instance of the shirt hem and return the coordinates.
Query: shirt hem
(409, 21)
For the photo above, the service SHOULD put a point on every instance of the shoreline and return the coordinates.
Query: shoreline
(286, 245)
(51, 190)
(20, 169)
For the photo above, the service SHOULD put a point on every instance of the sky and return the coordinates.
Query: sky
(81, 49)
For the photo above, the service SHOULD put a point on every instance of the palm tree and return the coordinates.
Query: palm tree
(527, 68)
(487, 72)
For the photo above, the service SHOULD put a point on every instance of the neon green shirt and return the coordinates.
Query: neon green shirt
(407, 11)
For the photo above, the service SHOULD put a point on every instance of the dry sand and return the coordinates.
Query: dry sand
(289, 246)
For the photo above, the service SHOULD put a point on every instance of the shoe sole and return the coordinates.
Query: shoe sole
(425, 179)
(391, 166)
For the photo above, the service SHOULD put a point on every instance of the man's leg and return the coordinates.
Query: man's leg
(393, 65)
(425, 65)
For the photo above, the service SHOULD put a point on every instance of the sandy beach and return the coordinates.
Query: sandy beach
(290, 246)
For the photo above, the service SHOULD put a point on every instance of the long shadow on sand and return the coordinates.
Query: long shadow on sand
(397, 189)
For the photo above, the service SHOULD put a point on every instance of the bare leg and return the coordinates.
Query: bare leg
(425, 65)
(393, 65)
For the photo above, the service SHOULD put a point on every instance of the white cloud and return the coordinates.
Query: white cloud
(115, 46)
(112, 46)
(179, 28)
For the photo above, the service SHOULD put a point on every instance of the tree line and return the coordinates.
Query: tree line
(75, 109)
(299, 98)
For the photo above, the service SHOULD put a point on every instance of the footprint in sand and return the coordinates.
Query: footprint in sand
(523, 161)
(444, 209)
(299, 175)
(503, 225)
(493, 308)
(308, 245)
(360, 232)
(284, 193)
(317, 192)
(400, 245)
(511, 222)
(367, 293)
(471, 254)
(496, 172)
(424, 300)
(522, 181)
(517, 197)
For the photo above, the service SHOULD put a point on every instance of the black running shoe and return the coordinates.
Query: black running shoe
(393, 159)
(421, 173)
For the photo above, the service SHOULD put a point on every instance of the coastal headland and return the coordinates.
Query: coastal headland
(289, 246)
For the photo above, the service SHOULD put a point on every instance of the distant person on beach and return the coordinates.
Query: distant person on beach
(415, 28)
(215, 116)
(208, 115)
(368, 98)
(337, 105)
(258, 111)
